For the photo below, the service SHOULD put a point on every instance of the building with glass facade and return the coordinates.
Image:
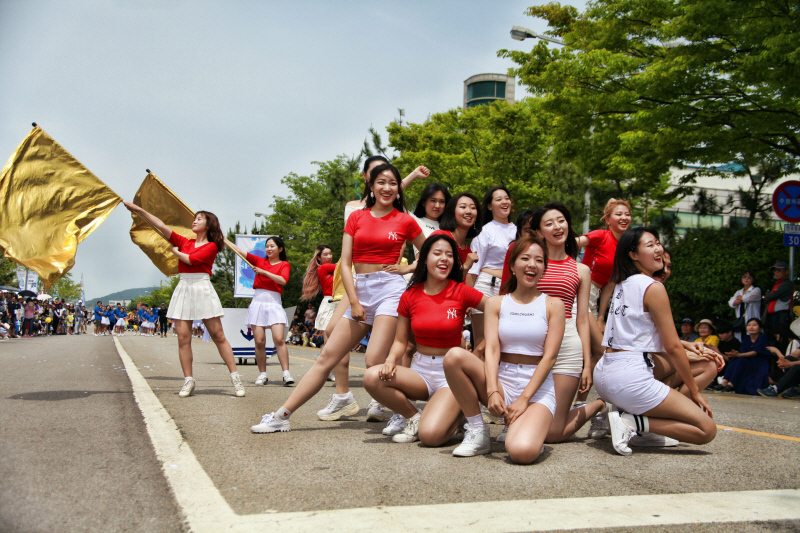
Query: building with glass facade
(483, 89)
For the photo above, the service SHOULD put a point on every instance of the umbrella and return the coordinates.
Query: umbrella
(27, 294)
(43, 297)
(8, 288)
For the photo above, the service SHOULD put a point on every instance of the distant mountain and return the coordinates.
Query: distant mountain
(128, 294)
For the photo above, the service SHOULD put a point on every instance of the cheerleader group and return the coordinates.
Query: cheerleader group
(536, 315)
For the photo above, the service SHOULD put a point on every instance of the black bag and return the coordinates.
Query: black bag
(739, 325)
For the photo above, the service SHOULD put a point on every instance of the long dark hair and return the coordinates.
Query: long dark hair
(429, 190)
(213, 231)
(399, 202)
(571, 245)
(520, 246)
(311, 284)
(486, 215)
(367, 163)
(629, 242)
(522, 219)
(421, 272)
(279, 243)
(448, 219)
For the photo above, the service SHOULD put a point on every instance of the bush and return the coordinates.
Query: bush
(707, 265)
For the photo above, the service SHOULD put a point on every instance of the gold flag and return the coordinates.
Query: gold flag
(49, 203)
(156, 198)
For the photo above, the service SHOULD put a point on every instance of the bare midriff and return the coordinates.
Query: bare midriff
(520, 359)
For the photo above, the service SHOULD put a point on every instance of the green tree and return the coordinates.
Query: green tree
(8, 272)
(642, 86)
(162, 294)
(707, 265)
(65, 287)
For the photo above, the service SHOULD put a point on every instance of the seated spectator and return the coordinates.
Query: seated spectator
(318, 339)
(746, 302)
(748, 368)
(785, 377)
(310, 315)
(4, 328)
(707, 333)
(727, 343)
(686, 330)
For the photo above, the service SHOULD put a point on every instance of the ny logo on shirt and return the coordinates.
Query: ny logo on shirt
(452, 313)
(393, 236)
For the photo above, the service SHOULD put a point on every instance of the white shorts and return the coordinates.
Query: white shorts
(194, 298)
(378, 293)
(147, 325)
(514, 378)
(266, 309)
(325, 312)
(594, 299)
(626, 380)
(430, 368)
(105, 321)
(487, 285)
(121, 322)
(570, 355)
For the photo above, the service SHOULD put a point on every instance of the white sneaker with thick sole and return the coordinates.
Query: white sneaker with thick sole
(188, 388)
(621, 431)
(288, 380)
(599, 426)
(646, 440)
(396, 425)
(336, 409)
(270, 424)
(410, 432)
(261, 379)
(502, 436)
(477, 441)
(238, 388)
(376, 412)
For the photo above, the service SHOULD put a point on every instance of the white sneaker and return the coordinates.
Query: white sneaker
(270, 424)
(477, 441)
(652, 440)
(410, 432)
(288, 380)
(621, 431)
(396, 424)
(502, 436)
(376, 412)
(331, 377)
(188, 388)
(336, 409)
(599, 428)
(237, 386)
(261, 379)
(489, 418)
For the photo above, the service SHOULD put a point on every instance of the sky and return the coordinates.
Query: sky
(222, 99)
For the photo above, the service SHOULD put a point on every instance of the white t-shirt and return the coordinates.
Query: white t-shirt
(427, 226)
(491, 245)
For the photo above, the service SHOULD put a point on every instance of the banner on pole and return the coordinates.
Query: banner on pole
(244, 275)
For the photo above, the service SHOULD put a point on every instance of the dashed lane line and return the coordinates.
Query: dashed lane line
(206, 511)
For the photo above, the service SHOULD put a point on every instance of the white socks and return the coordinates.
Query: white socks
(283, 414)
(476, 421)
(286, 373)
(262, 374)
(235, 374)
(342, 396)
(638, 422)
(188, 378)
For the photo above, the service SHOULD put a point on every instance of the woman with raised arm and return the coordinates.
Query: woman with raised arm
(524, 329)
(373, 238)
(319, 278)
(343, 401)
(496, 233)
(194, 298)
(266, 308)
(433, 309)
(640, 322)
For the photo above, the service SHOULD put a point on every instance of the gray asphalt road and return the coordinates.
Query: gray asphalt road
(74, 453)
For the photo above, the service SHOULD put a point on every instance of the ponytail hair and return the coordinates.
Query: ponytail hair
(311, 284)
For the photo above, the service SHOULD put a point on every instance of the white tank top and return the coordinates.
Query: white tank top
(523, 327)
(349, 210)
(629, 327)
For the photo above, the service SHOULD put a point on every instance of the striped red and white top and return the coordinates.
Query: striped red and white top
(561, 281)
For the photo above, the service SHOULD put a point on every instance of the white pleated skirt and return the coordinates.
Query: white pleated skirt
(266, 309)
(194, 298)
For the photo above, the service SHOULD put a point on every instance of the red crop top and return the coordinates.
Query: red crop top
(462, 252)
(263, 282)
(202, 257)
(599, 255)
(325, 275)
(437, 321)
(380, 240)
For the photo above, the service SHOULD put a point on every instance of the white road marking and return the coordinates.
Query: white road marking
(206, 510)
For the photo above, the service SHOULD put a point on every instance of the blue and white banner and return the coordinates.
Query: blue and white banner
(244, 275)
(240, 336)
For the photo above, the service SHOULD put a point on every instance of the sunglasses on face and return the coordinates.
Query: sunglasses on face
(747, 276)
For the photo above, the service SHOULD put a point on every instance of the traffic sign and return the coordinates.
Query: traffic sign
(786, 201)
(791, 235)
